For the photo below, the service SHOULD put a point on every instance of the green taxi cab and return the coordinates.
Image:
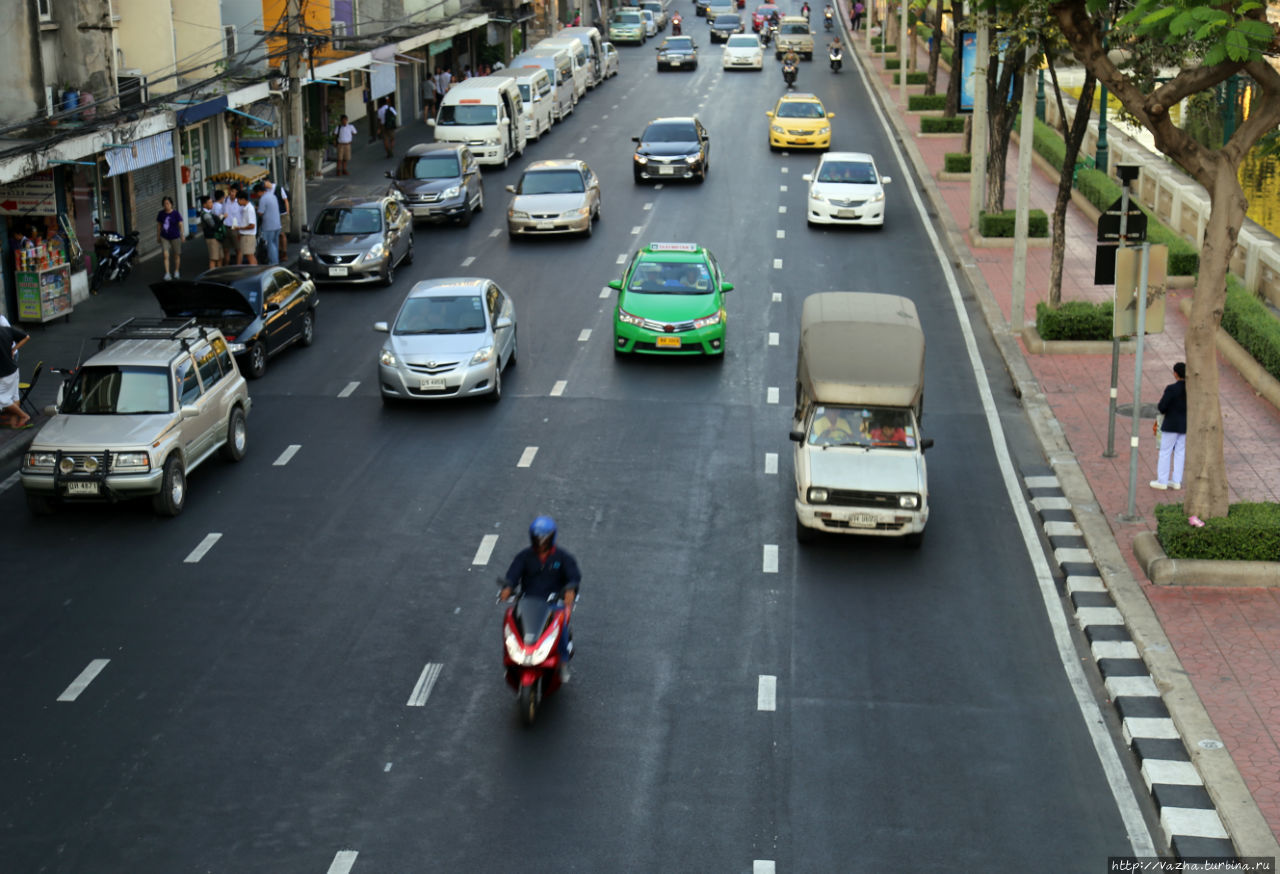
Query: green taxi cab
(670, 302)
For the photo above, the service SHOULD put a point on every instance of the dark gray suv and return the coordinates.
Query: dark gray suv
(358, 239)
(440, 182)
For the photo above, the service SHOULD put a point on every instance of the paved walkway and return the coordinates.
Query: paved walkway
(1228, 639)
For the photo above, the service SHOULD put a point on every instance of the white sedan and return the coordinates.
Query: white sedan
(743, 50)
(846, 189)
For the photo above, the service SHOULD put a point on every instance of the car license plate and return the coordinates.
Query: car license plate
(665, 170)
(544, 226)
(846, 213)
(803, 141)
(668, 343)
(429, 382)
(338, 271)
(82, 488)
(862, 520)
(675, 63)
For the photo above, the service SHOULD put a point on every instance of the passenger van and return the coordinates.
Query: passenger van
(484, 112)
(537, 97)
(559, 63)
(590, 39)
(581, 62)
(859, 452)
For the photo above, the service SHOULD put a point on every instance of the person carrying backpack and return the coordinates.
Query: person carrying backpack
(213, 229)
(387, 118)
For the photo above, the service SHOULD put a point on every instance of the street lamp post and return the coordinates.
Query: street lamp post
(1101, 154)
(1040, 94)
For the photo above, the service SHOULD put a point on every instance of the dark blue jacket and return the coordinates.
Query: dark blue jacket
(539, 580)
(1174, 406)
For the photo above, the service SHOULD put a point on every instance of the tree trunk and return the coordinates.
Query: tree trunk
(953, 81)
(935, 51)
(1001, 113)
(1073, 137)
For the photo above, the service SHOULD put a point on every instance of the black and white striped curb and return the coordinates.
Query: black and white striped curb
(1190, 821)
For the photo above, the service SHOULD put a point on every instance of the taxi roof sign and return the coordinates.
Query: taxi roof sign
(672, 247)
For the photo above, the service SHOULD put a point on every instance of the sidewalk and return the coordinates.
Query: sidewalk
(63, 343)
(1227, 639)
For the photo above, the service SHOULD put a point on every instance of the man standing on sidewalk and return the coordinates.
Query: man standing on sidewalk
(246, 231)
(344, 135)
(269, 219)
(1172, 431)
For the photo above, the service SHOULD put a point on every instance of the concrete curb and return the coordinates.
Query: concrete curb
(1037, 345)
(1244, 823)
(980, 242)
(1165, 571)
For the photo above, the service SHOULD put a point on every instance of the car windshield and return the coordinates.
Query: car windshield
(766, 11)
(444, 166)
(526, 95)
(461, 314)
(794, 27)
(853, 172)
(670, 132)
(467, 113)
(886, 427)
(726, 21)
(671, 277)
(681, 44)
(627, 18)
(347, 220)
(551, 182)
(118, 391)
(800, 109)
(742, 41)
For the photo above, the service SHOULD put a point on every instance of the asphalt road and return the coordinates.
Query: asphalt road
(253, 713)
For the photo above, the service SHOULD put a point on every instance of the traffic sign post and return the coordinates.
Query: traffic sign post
(1126, 225)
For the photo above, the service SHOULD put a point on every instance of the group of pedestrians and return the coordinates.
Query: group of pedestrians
(230, 223)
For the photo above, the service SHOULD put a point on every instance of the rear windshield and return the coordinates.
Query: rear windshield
(627, 18)
(342, 220)
(467, 113)
(670, 132)
(442, 166)
(119, 391)
(855, 172)
(551, 182)
(461, 314)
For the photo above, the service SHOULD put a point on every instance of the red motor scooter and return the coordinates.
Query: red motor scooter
(531, 633)
(676, 22)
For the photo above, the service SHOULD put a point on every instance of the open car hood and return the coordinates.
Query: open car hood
(195, 297)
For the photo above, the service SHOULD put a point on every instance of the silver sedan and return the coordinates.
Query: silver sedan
(452, 338)
(554, 197)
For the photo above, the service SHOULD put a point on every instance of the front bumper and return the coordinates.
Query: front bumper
(677, 63)
(700, 341)
(742, 63)
(789, 140)
(112, 487)
(824, 212)
(634, 38)
(681, 168)
(465, 380)
(357, 273)
(439, 211)
(861, 520)
(559, 224)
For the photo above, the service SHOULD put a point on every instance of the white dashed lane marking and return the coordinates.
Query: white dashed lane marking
(777, 297)
(782, 188)
(635, 231)
(487, 543)
(426, 680)
(558, 389)
(649, 205)
(584, 335)
(343, 862)
(582, 140)
(767, 693)
(771, 396)
(468, 261)
(771, 462)
(80, 683)
(10, 481)
(658, 187)
(569, 155)
(763, 866)
(777, 263)
(526, 457)
(622, 259)
(205, 545)
(782, 210)
(496, 232)
(290, 451)
(605, 292)
(770, 564)
(785, 169)
(773, 338)
(346, 392)
(782, 235)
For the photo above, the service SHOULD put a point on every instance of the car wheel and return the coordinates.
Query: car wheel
(496, 395)
(172, 496)
(464, 220)
(41, 505)
(408, 253)
(237, 436)
(308, 328)
(480, 200)
(590, 229)
(804, 534)
(637, 178)
(257, 360)
(701, 177)
(389, 273)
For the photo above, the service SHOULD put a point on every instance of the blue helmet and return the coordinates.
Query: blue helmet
(542, 533)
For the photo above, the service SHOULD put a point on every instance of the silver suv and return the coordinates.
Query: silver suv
(160, 397)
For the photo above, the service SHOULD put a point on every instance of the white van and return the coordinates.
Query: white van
(537, 96)
(485, 113)
(590, 39)
(581, 62)
(559, 63)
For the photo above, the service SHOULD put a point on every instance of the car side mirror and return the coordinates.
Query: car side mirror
(831, 115)
(808, 177)
(305, 275)
(615, 284)
(797, 436)
(885, 180)
(510, 188)
(502, 322)
(431, 122)
(768, 113)
(726, 286)
(189, 411)
(381, 327)
(306, 229)
(635, 139)
(51, 410)
(926, 443)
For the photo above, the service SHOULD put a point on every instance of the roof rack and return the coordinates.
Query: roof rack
(152, 329)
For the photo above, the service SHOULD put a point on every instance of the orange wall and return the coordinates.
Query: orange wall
(316, 17)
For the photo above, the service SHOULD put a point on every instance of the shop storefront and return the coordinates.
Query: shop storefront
(43, 260)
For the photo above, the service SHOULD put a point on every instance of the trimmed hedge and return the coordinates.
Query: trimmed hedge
(1251, 324)
(927, 101)
(915, 77)
(941, 124)
(1049, 145)
(957, 162)
(1001, 224)
(945, 52)
(1249, 532)
(1102, 191)
(892, 63)
(1075, 320)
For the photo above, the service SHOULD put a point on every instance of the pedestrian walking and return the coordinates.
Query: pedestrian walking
(12, 415)
(344, 135)
(1172, 430)
(169, 236)
(856, 19)
(230, 221)
(246, 230)
(211, 226)
(269, 220)
(282, 197)
(387, 118)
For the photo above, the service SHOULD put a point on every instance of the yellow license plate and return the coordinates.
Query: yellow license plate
(668, 342)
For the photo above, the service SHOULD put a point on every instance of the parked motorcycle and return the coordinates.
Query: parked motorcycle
(115, 254)
(836, 57)
(531, 657)
(789, 72)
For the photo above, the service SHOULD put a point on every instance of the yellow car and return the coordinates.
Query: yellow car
(799, 121)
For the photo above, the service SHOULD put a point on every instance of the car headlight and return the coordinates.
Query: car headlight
(387, 357)
(708, 321)
(628, 319)
(815, 195)
(375, 252)
(130, 462)
(517, 214)
(580, 212)
(39, 461)
(879, 196)
(641, 159)
(305, 254)
(451, 192)
(823, 131)
(776, 128)
(236, 348)
(694, 158)
(662, 56)
(482, 355)
(493, 141)
(908, 502)
(817, 496)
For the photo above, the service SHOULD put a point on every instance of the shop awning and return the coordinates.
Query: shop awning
(245, 174)
(261, 144)
(143, 153)
(200, 111)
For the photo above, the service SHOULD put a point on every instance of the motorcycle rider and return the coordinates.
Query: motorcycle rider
(541, 569)
(676, 21)
(836, 54)
(826, 16)
(790, 63)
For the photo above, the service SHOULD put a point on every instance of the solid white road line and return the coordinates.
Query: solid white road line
(777, 263)
(10, 481)
(205, 545)
(426, 680)
(79, 684)
(346, 392)
(770, 558)
(621, 259)
(526, 457)
(343, 862)
(763, 866)
(487, 543)
(1140, 840)
(771, 462)
(767, 693)
(777, 297)
(468, 261)
(771, 396)
(290, 451)
(558, 389)
(773, 338)
(584, 335)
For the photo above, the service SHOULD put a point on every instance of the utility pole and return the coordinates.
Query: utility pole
(978, 166)
(297, 163)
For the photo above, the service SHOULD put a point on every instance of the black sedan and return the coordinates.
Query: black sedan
(261, 310)
(678, 53)
(675, 147)
(726, 26)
